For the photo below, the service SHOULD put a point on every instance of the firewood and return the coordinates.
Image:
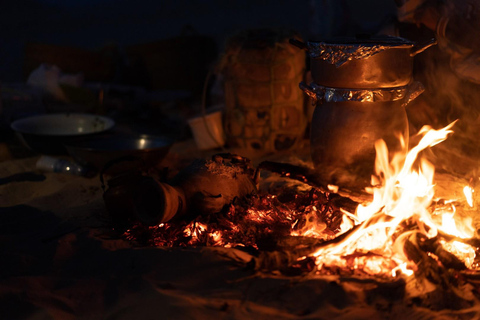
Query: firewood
(472, 241)
(336, 240)
(428, 268)
(447, 259)
(295, 172)
(285, 262)
(308, 176)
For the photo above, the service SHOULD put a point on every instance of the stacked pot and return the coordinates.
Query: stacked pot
(360, 90)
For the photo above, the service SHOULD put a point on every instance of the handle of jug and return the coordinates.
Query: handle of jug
(310, 92)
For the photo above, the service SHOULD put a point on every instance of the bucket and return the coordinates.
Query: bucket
(207, 130)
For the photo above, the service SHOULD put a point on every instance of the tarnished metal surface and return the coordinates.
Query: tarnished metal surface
(326, 94)
(362, 62)
(340, 50)
(347, 122)
(339, 54)
(358, 103)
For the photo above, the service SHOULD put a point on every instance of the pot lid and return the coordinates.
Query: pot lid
(340, 50)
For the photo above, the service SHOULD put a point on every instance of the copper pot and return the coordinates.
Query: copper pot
(363, 61)
(346, 124)
(360, 89)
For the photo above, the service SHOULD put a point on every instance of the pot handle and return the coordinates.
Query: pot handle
(414, 89)
(299, 44)
(309, 91)
(418, 48)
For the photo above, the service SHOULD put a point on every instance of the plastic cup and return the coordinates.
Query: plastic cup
(207, 130)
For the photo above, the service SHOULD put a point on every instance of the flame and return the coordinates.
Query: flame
(462, 251)
(461, 228)
(313, 226)
(468, 192)
(403, 191)
(403, 268)
(347, 221)
(371, 240)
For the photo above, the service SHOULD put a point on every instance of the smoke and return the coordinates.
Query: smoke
(447, 98)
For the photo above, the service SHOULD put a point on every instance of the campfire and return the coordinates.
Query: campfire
(401, 216)
(403, 232)
(316, 224)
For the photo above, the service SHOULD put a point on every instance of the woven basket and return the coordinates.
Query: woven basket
(264, 107)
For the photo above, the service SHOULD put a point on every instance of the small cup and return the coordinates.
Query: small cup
(208, 130)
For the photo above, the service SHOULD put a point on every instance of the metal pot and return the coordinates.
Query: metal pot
(363, 61)
(346, 124)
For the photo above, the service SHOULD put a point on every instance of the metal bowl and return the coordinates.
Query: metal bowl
(50, 132)
(120, 153)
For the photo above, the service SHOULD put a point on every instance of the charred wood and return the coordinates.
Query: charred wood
(447, 259)
(427, 267)
(472, 241)
(308, 176)
(302, 174)
(285, 262)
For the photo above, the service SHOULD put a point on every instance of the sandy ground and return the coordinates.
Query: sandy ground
(58, 261)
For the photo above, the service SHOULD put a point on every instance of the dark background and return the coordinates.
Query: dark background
(93, 24)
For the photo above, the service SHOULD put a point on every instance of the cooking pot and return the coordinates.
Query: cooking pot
(362, 61)
(346, 124)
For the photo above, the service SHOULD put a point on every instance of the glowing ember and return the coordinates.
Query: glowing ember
(251, 223)
(216, 237)
(403, 268)
(332, 188)
(386, 237)
(313, 227)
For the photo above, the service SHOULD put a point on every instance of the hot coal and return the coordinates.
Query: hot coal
(260, 222)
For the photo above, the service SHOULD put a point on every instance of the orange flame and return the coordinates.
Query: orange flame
(403, 190)
(468, 192)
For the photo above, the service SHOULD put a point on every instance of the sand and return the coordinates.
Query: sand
(60, 261)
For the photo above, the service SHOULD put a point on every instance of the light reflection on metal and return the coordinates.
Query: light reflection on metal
(338, 54)
(325, 94)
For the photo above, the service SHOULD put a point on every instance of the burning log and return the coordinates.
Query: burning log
(428, 267)
(308, 176)
(338, 239)
(303, 231)
(303, 174)
(447, 259)
(446, 293)
(471, 242)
